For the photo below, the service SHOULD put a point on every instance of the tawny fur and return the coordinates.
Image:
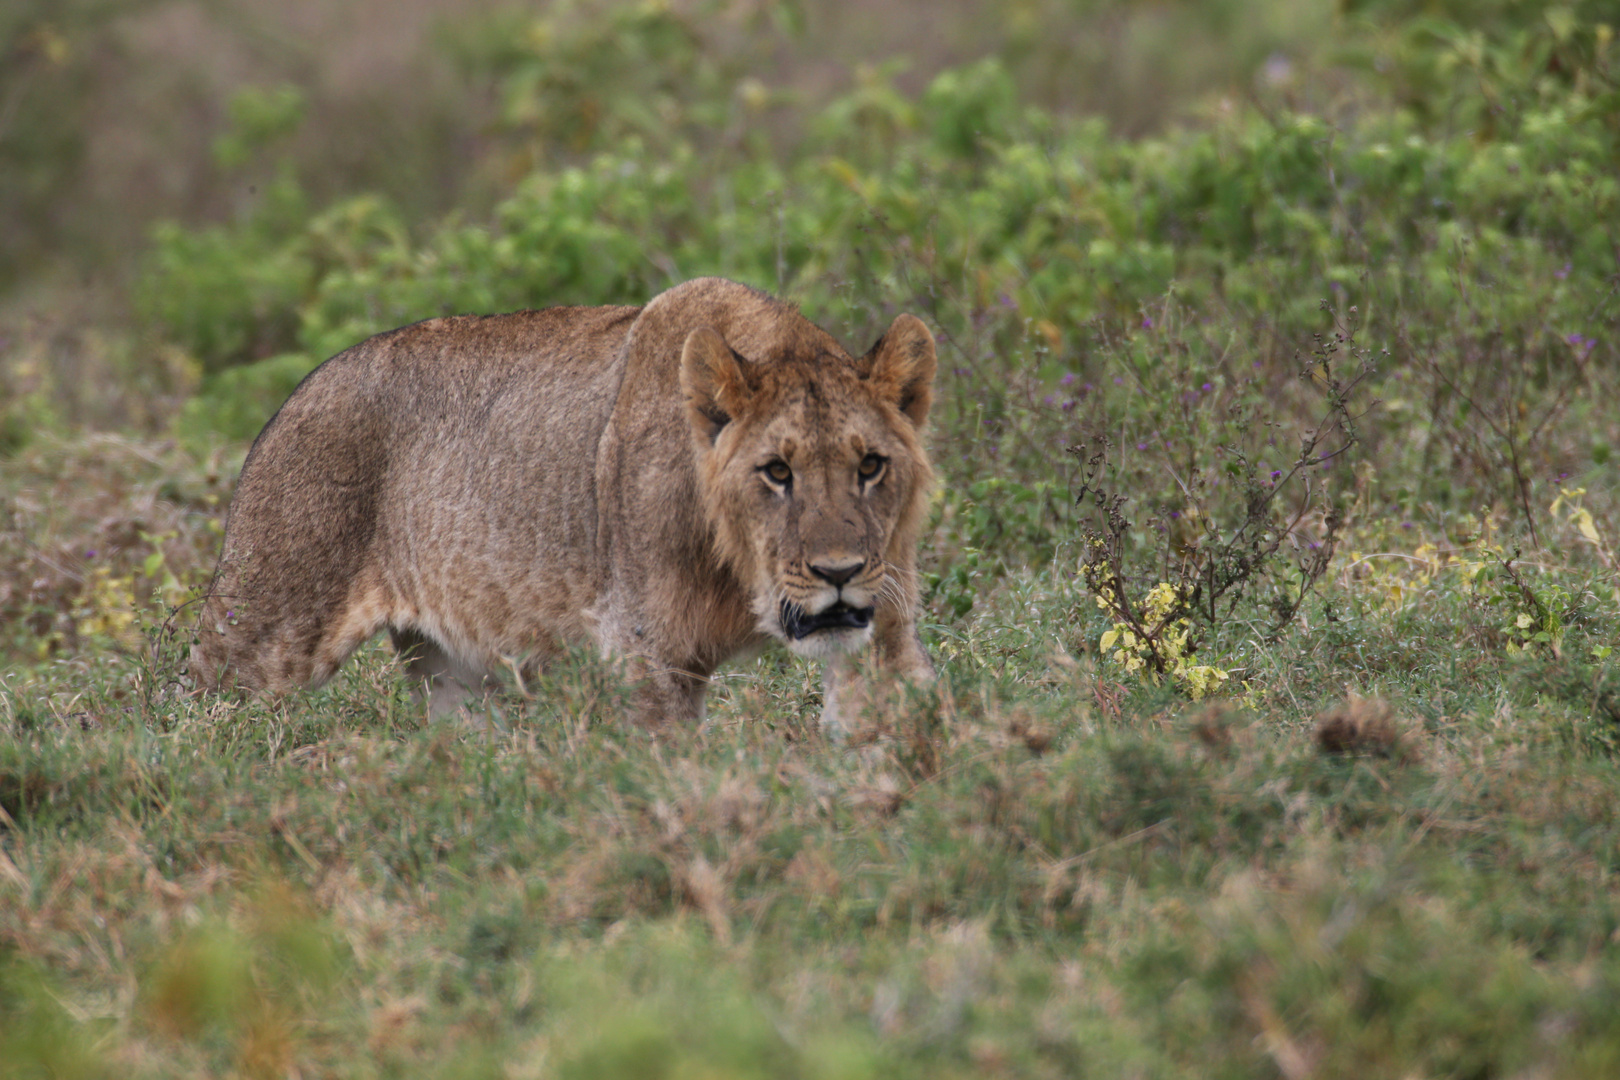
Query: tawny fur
(491, 489)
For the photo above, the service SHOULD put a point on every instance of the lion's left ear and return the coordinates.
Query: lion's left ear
(713, 382)
(901, 367)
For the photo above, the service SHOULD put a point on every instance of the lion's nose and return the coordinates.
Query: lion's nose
(837, 573)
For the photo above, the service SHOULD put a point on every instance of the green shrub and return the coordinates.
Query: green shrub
(237, 402)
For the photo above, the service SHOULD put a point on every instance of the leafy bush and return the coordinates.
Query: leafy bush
(237, 402)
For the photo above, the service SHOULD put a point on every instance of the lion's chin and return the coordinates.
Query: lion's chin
(827, 644)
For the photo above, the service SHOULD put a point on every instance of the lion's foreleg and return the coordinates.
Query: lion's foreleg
(851, 681)
(843, 696)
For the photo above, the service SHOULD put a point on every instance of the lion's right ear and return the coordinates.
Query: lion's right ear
(713, 382)
(901, 366)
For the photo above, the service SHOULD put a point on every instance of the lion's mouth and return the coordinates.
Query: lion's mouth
(839, 616)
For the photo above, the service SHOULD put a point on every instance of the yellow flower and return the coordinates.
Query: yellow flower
(1201, 679)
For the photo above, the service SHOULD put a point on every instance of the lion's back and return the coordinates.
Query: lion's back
(399, 470)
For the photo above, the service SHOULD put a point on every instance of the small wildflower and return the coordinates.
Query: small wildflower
(1276, 473)
(1562, 272)
(1068, 406)
(1208, 387)
(1068, 379)
(1581, 344)
(1147, 322)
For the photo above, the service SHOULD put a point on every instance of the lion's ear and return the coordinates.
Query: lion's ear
(713, 382)
(901, 367)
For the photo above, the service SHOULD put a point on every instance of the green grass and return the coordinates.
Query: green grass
(1041, 867)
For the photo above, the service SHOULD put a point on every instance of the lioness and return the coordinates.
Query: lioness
(674, 484)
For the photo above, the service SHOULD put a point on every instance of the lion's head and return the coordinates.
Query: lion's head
(814, 475)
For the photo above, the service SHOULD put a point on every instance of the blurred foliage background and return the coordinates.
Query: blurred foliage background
(215, 130)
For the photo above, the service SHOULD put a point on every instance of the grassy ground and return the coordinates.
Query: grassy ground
(1042, 867)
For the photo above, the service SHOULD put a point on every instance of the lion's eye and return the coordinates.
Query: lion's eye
(778, 471)
(870, 467)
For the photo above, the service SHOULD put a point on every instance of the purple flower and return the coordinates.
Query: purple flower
(961, 372)
(1141, 446)
(1147, 322)
(1275, 473)
(1067, 380)
(90, 554)
(1406, 524)
(1562, 272)
(1582, 344)
(1088, 388)
(1174, 514)
(1048, 400)
(1208, 387)
(1118, 381)
(1007, 301)
(1068, 406)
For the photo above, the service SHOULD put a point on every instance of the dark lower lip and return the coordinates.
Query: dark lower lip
(838, 617)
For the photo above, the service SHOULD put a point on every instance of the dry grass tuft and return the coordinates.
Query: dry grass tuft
(1364, 726)
(1022, 728)
(1213, 727)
